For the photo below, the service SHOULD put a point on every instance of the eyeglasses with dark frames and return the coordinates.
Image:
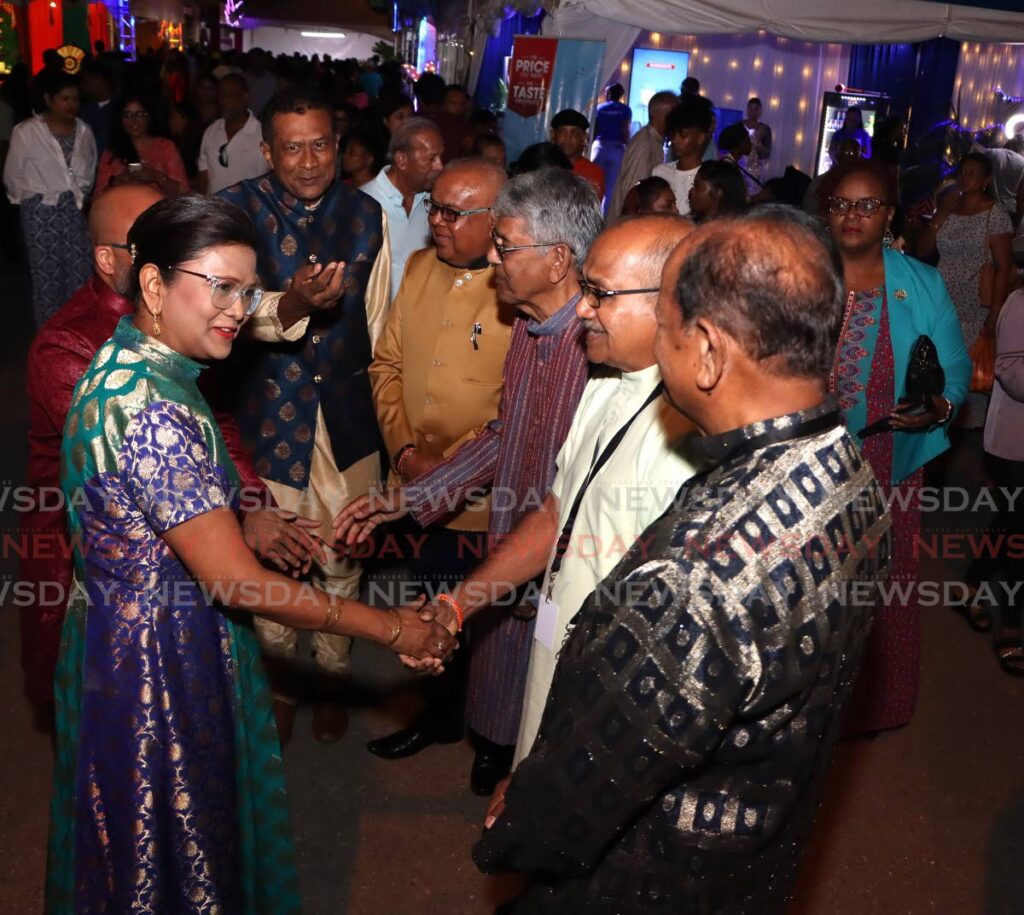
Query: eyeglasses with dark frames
(595, 295)
(450, 214)
(866, 206)
(504, 249)
(224, 293)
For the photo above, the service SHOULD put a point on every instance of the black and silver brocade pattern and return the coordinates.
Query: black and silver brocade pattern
(697, 699)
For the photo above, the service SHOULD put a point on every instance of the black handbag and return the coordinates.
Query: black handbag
(925, 379)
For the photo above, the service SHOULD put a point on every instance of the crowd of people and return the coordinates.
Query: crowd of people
(651, 436)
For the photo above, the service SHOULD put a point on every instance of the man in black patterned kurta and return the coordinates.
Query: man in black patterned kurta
(697, 697)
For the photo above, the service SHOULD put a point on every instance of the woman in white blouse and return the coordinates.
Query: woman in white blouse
(49, 170)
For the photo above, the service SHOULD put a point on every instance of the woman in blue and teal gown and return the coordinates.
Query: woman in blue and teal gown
(169, 791)
(892, 300)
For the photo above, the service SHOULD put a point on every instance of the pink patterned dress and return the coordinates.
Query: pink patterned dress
(886, 690)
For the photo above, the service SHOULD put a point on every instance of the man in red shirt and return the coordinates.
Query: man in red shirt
(569, 133)
(59, 355)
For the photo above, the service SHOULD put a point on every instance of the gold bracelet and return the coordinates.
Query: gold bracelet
(396, 626)
(334, 611)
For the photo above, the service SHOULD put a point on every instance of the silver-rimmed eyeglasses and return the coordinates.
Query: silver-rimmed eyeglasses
(224, 292)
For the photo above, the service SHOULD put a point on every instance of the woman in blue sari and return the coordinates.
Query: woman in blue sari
(169, 792)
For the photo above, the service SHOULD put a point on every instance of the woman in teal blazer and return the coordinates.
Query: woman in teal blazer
(892, 300)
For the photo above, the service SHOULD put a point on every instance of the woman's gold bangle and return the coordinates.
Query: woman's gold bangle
(335, 607)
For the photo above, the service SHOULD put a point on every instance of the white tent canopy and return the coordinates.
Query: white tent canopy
(618, 23)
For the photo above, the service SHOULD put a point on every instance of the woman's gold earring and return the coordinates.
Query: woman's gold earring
(156, 325)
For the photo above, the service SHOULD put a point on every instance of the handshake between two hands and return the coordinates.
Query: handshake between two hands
(438, 618)
(353, 525)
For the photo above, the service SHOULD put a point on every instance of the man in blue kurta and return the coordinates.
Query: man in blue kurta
(303, 399)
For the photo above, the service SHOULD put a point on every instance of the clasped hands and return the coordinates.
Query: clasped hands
(423, 644)
(353, 525)
(438, 616)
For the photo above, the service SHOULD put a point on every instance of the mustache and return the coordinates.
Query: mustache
(593, 327)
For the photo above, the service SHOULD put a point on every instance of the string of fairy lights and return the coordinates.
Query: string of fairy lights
(789, 76)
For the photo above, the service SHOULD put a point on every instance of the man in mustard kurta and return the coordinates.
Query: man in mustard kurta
(437, 379)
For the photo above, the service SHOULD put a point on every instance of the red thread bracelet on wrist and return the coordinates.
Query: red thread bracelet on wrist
(402, 457)
(451, 602)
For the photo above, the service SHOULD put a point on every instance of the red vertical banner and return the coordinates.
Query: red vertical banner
(45, 29)
(529, 74)
(99, 24)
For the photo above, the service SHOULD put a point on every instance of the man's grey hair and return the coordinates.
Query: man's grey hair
(401, 139)
(558, 207)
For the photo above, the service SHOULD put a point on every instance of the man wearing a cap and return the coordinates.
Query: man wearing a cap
(569, 133)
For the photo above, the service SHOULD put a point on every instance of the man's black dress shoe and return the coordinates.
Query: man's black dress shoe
(490, 765)
(409, 741)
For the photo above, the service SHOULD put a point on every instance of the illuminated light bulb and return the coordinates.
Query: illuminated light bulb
(807, 71)
(1012, 123)
(655, 37)
(775, 101)
(803, 104)
(778, 69)
(757, 63)
(705, 59)
(728, 97)
(799, 136)
(625, 66)
(733, 64)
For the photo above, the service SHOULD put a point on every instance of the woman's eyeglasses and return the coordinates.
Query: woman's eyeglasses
(866, 206)
(449, 214)
(139, 115)
(224, 293)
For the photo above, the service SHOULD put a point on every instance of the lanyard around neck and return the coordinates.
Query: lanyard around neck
(598, 461)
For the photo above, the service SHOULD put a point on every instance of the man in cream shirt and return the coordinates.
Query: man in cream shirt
(625, 437)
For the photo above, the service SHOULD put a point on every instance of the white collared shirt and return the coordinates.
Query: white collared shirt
(408, 231)
(243, 154)
(35, 163)
(631, 491)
